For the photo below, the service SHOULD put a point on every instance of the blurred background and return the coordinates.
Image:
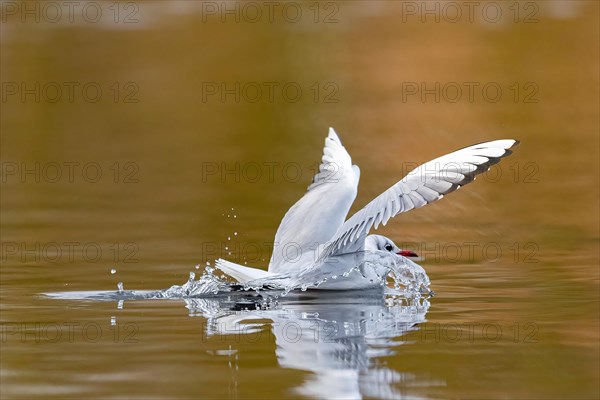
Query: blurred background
(140, 136)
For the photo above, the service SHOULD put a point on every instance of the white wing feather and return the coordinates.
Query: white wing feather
(317, 216)
(423, 185)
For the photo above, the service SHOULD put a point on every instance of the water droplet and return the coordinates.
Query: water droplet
(113, 271)
(120, 304)
(235, 216)
(113, 320)
(197, 266)
(228, 237)
(234, 233)
(208, 263)
(226, 248)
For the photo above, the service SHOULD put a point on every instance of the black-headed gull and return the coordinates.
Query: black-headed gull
(315, 236)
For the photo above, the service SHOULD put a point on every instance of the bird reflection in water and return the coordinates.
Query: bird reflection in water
(340, 337)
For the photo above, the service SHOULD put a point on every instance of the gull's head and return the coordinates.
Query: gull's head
(379, 242)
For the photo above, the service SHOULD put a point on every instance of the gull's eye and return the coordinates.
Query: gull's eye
(389, 247)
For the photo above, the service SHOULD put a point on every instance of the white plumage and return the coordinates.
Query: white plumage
(313, 230)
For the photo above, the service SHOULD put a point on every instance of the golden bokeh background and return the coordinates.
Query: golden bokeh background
(395, 84)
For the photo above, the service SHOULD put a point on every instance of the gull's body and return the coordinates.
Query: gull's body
(314, 232)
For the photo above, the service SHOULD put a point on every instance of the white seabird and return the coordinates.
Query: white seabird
(314, 232)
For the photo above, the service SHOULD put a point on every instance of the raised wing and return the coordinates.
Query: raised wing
(336, 165)
(423, 185)
(318, 215)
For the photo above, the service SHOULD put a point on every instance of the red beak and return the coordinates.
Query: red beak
(407, 253)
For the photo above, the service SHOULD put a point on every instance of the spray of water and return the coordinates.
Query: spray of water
(407, 278)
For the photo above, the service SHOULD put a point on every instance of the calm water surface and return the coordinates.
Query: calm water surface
(151, 177)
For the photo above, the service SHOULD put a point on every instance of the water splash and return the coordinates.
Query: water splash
(207, 284)
(359, 270)
(356, 270)
(407, 280)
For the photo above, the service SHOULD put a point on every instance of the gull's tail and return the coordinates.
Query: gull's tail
(241, 273)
